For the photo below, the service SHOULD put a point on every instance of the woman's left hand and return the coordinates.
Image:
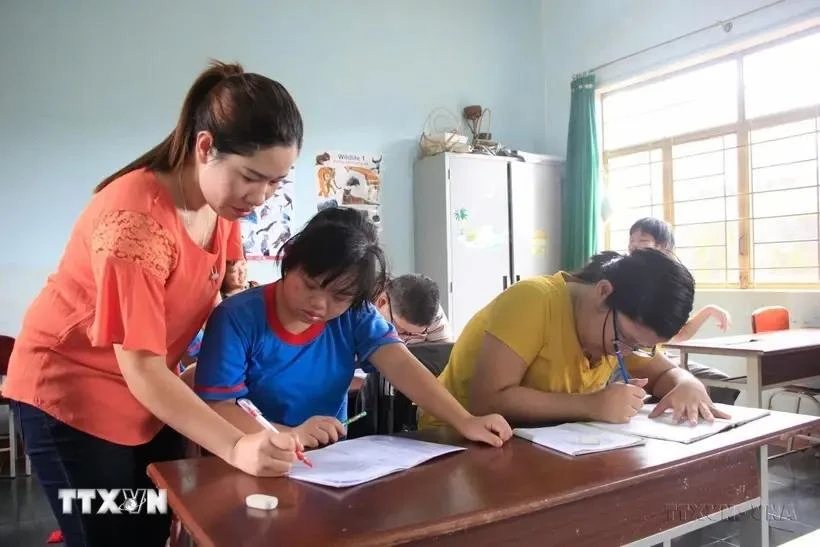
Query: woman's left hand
(688, 401)
(492, 429)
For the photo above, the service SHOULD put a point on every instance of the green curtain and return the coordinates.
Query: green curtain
(580, 201)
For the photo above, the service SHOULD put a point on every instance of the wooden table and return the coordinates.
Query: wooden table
(773, 359)
(521, 494)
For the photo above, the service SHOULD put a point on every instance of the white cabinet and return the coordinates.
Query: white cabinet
(482, 223)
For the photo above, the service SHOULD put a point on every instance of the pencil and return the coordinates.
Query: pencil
(355, 418)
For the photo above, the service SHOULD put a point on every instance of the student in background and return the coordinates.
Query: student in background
(291, 347)
(654, 233)
(411, 303)
(236, 278)
(93, 377)
(544, 349)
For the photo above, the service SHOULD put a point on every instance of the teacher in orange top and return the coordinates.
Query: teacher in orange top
(92, 378)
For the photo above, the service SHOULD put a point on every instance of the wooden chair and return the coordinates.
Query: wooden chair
(6, 347)
(775, 318)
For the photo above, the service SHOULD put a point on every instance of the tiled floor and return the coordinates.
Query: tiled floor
(26, 520)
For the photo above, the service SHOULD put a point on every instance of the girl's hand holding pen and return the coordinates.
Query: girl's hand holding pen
(319, 431)
(617, 402)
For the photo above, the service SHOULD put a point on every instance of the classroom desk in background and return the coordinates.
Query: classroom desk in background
(773, 359)
(520, 494)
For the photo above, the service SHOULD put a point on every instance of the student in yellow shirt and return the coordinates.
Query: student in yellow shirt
(544, 349)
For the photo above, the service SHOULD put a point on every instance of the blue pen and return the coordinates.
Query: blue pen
(621, 366)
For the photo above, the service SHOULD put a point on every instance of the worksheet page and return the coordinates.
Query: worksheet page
(665, 428)
(348, 463)
(577, 439)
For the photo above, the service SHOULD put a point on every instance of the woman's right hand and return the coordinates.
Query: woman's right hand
(264, 454)
(618, 402)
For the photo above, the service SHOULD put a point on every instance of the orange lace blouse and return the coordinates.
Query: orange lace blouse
(130, 275)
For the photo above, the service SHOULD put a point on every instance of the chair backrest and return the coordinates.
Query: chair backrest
(770, 318)
(388, 409)
(6, 345)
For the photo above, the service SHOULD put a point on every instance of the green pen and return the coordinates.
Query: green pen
(358, 416)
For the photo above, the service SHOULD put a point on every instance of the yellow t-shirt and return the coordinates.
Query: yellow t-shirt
(534, 318)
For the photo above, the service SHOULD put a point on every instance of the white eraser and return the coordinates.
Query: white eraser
(261, 501)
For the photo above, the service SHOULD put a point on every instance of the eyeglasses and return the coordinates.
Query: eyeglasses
(635, 349)
(400, 331)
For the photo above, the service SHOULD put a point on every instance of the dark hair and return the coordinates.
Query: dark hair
(660, 230)
(244, 112)
(414, 297)
(339, 243)
(649, 287)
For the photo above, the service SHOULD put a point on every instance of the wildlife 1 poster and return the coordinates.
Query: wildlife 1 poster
(350, 180)
(269, 225)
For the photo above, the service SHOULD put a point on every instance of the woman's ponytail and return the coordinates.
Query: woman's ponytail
(170, 154)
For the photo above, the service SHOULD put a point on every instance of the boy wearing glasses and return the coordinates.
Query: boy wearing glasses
(411, 303)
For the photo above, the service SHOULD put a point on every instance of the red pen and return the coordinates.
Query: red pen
(251, 409)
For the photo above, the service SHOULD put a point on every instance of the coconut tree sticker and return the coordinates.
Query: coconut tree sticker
(461, 218)
(476, 237)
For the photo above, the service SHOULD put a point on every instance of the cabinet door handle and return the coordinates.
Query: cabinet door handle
(504, 283)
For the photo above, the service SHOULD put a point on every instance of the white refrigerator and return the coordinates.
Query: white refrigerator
(482, 223)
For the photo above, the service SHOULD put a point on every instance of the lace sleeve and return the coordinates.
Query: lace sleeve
(132, 256)
(137, 238)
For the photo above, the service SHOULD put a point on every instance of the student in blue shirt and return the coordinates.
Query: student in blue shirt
(292, 346)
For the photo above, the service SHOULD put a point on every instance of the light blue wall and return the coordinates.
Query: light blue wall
(581, 34)
(89, 85)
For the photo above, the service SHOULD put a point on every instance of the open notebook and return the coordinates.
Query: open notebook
(576, 439)
(349, 463)
(664, 428)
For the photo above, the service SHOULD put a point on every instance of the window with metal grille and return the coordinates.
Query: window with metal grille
(727, 152)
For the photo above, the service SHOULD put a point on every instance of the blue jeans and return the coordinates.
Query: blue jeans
(64, 457)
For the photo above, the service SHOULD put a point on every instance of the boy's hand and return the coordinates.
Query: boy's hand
(319, 430)
(721, 316)
(618, 402)
(492, 429)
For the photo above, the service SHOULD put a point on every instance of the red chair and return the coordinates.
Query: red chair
(775, 318)
(770, 318)
(6, 347)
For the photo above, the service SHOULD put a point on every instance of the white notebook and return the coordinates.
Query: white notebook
(353, 462)
(665, 429)
(576, 439)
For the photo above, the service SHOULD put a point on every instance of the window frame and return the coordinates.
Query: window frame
(742, 128)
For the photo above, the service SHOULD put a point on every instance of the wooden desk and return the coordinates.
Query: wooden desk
(773, 359)
(521, 494)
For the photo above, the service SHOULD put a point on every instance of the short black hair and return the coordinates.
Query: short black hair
(649, 287)
(660, 230)
(414, 297)
(339, 243)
